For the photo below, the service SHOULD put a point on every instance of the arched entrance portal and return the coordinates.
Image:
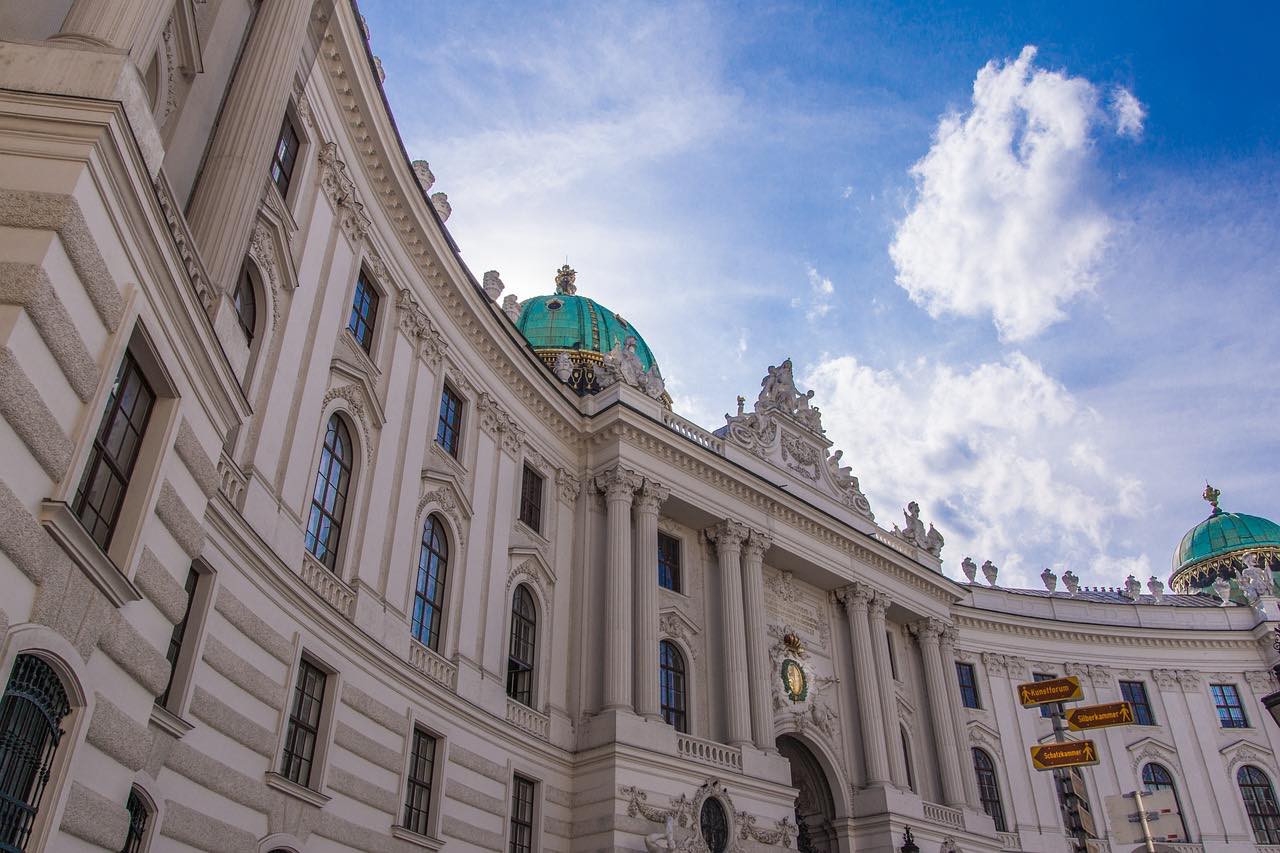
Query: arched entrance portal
(815, 808)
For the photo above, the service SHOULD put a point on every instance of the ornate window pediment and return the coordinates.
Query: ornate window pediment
(440, 492)
(356, 386)
(1247, 752)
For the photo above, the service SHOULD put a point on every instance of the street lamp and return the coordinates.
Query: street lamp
(909, 842)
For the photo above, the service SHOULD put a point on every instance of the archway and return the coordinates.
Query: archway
(815, 807)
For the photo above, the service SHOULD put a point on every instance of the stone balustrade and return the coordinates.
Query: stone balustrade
(433, 665)
(326, 584)
(524, 717)
(693, 432)
(944, 815)
(709, 752)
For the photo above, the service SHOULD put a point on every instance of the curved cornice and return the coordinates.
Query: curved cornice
(1058, 631)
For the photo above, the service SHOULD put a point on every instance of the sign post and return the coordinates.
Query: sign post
(1063, 756)
(1100, 716)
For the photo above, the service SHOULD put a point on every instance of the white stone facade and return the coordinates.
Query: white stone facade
(135, 163)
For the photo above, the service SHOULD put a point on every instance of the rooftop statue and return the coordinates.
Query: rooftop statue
(915, 534)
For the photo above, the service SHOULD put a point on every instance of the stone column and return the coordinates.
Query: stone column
(238, 163)
(618, 485)
(645, 598)
(947, 648)
(856, 599)
(886, 690)
(128, 25)
(928, 632)
(760, 678)
(729, 536)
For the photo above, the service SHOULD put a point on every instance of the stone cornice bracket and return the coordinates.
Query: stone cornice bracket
(651, 496)
(995, 664)
(417, 326)
(855, 596)
(927, 630)
(617, 483)
(497, 422)
(341, 190)
(181, 233)
(569, 485)
(728, 535)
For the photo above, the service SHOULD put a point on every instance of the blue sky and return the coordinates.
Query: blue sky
(1026, 254)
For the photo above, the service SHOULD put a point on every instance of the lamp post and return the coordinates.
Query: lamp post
(1272, 700)
(909, 842)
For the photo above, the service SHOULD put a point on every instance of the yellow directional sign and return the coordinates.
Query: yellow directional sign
(1100, 716)
(1034, 693)
(1055, 756)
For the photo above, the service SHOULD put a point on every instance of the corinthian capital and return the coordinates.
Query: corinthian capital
(617, 483)
(651, 496)
(855, 596)
(728, 535)
(927, 630)
(757, 543)
(880, 604)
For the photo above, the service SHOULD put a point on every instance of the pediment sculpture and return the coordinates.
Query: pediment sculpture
(622, 364)
(785, 428)
(914, 532)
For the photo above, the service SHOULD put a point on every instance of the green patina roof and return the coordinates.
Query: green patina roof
(1224, 533)
(566, 321)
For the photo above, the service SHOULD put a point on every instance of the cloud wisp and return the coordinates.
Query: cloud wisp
(1001, 456)
(1003, 220)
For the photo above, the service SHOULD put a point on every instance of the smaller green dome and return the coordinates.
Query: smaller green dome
(1214, 540)
(575, 324)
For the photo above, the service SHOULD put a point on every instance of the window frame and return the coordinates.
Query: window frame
(1271, 822)
(1235, 716)
(348, 494)
(535, 813)
(1172, 785)
(988, 780)
(675, 573)
(433, 784)
(363, 327)
(323, 725)
(893, 654)
(969, 692)
(178, 690)
(908, 758)
(440, 607)
(250, 282)
(530, 513)
(681, 724)
(1047, 710)
(445, 428)
(287, 122)
(528, 669)
(1143, 713)
(152, 818)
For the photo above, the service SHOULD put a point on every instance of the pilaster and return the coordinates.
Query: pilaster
(758, 671)
(648, 501)
(618, 485)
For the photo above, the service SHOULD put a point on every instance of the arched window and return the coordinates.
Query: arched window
(1155, 777)
(989, 788)
(329, 498)
(714, 824)
(524, 642)
(1260, 804)
(672, 687)
(138, 817)
(428, 593)
(31, 714)
(246, 303)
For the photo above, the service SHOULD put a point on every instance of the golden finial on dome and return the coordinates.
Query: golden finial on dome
(565, 278)
(1211, 495)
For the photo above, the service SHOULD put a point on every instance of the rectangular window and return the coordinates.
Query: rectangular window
(304, 724)
(1135, 693)
(178, 635)
(1227, 700)
(669, 562)
(417, 802)
(115, 450)
(531, 499)
(449, 432)
(364, 313)
(1047, 710)
(968, 685)
(893, 655)
(285, 157)
(522, 794)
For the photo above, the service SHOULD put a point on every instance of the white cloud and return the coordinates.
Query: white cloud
(1001, 457)
(1002, 220)
(1128, 111)
(820, 292)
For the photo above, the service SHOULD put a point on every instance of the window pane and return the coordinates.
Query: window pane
(246, 304)
(304, 723)
(417, 807)
(1135, 693)
(520, 658)
(531, 499)
(672, 689)
(428, 597)
(286, 155)
(989, 788)
(137, 823)
(179, 633)
(968, 684)
(1260, 804)
(1227, 700)
(31, 715)
(364, 312)
(329, 497)
(522, 803)
(449, 429)
(669, 562)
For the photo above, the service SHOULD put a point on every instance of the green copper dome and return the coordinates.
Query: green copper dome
(1219, 540)
(581, 327)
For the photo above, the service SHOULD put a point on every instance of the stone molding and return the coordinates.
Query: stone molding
(728, 535)
(341, 190)
(1085, 634)
(617, 483)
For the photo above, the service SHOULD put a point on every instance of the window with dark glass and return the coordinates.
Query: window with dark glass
(329, 497)
(906, 759)
(1135, 693)
(246, 304)
(179, 633)
(422, 764)
(449, 430)
(669, 562)
(672, 687)
(893, 655)
(304, 724)
(989, 788)
(531, 499)
(968, 684)
(713, 823)
(115, 451)
(364, 313)
(1260, 804)
(285, 157)
(137, 823)
(31, 714)
(1047, 710)
(1227, 700)
(1155, 777)
(522, 794)
(520, 657)
(428, 593)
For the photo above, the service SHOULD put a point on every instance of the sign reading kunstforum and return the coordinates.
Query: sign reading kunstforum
(1034, 693)
(1100, 716)
(1054, 756)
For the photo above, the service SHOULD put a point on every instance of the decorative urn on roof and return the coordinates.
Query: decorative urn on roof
(1242, 550)
(593, 346)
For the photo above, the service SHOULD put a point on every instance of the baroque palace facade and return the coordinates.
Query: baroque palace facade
(310, 541)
